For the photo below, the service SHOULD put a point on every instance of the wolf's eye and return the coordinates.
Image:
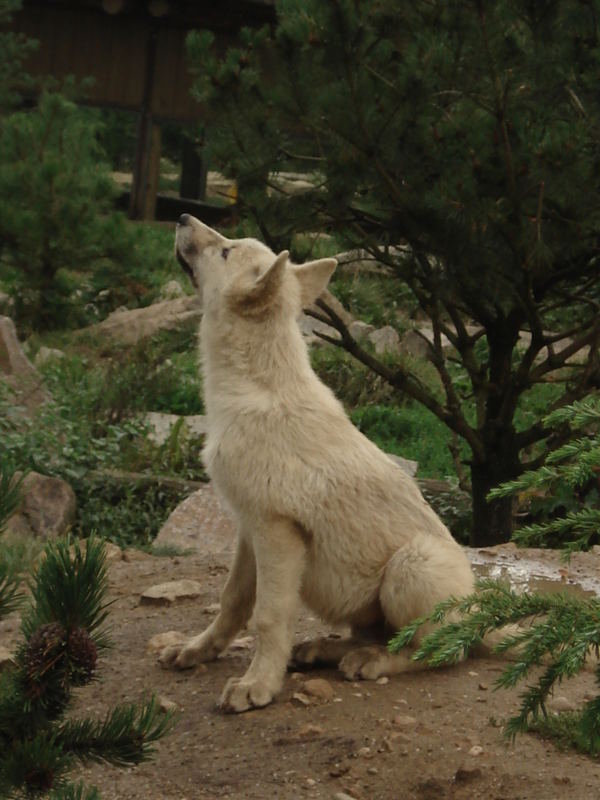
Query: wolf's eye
(225, 253)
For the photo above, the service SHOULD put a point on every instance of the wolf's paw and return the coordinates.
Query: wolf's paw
(187, 655)
(326, 650)
(368, 663)
(241, 695)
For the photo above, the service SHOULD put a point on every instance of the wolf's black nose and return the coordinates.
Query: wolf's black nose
(184, 219)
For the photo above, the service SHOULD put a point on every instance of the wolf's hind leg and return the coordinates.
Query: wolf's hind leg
(416, 578)
(237, 602)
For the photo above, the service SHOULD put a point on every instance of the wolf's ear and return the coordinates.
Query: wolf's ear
(256, 298)
(313, 277)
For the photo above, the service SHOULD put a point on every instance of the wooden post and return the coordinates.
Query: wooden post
(146, 165)
(193, 171)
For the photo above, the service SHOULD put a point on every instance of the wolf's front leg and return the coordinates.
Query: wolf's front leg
(237, 602)
(280, 558)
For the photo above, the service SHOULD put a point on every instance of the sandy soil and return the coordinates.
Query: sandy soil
(422, 736)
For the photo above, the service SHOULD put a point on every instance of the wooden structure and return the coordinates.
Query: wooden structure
(135, 52)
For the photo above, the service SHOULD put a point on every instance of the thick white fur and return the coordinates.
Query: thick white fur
(322, 514)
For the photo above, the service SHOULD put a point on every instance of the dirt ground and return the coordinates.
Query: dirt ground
(422, 736)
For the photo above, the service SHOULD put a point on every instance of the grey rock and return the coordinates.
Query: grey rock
(385, 340)
(161, 425)
(132, 326)
(171, 290)
(410, 467)
(360, 330)
(46, 354)
(17, 372)
(47, 508)
(200, 524)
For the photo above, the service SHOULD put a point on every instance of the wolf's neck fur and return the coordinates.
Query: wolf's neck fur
(256, 367)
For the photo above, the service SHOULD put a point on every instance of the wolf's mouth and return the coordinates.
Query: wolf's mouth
(185, 266)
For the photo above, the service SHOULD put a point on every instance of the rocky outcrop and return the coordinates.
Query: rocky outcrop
(47, 508)
(132, 326)
(17, 372)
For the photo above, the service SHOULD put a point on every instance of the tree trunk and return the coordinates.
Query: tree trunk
(492, 520)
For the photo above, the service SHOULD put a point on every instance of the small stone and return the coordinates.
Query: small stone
(168, 639)
(213, 608)
(309, 731)
(310, 782)
(339, 769)
(46, 354)
(301, 699)
(365, 752)
(163, 594)
(373, 771)
(473, 674)
(243, 643)
(343, 796)
(383, 680)
(483, 687)
(404, 721)
(132, 554)
(319, 688)
(476, 750)
(167, 705)
(561, 704)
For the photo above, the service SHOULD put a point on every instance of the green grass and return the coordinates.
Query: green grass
(409, 431)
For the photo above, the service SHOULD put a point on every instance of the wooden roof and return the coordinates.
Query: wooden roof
(112, 41)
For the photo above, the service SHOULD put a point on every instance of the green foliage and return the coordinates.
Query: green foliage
(14, 49)
(451, 143)
(411, 432)
(94, 427)
(63, 629)
(559, 634)
(55, 189)
(564, 491)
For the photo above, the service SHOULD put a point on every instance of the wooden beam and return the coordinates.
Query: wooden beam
(147, 154)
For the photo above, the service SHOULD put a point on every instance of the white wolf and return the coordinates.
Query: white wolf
(322, 514)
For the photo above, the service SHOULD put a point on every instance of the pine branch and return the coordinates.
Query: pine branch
(70, 589)
(559, 632)
(126, 736)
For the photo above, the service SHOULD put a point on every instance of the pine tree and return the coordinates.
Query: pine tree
(559, 632)
(457, 144)
(63, 629)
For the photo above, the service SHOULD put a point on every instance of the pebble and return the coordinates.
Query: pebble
(163, 594)
(343, 796)
(310, 782)
(476, 750)
(165, 704)
(365, 752)
(301, 699)
(318, 688)
(161, 640)
(308, 730)
(483, 687)
(404, 721)
(561, 704)
(383, 680)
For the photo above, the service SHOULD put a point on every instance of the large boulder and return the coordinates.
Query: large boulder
(17, 372)
(47, 508)
(200, 524)
(132, 326)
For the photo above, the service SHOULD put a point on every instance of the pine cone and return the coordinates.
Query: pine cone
(83, 656)
(44, 650)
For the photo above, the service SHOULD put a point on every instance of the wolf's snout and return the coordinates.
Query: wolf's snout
(184, 219)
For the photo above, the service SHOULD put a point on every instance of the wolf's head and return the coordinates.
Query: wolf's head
(244, 276)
